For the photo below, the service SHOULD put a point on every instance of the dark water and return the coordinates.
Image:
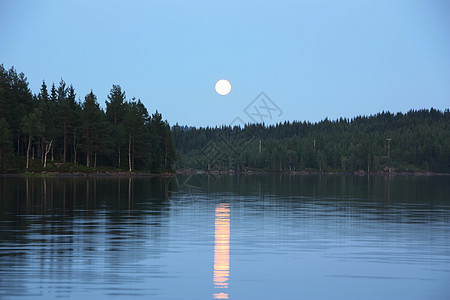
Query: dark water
(228, 237)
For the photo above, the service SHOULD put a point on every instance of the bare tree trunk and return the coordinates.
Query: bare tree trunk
(65, 141)
(87, 157)
(53, 158)
(132, 161)
(28, 151)
(47, 150)
(87, 148)
(95, 157)
(129, 153)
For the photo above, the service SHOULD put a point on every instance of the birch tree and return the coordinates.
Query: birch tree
(32, 126)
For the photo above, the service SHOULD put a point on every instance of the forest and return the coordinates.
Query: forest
(53, 131)
(416, 141)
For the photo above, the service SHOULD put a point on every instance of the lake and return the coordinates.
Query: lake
(225, 237)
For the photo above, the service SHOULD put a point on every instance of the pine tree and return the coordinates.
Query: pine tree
(44, 106)
(136, 119)
(115, 113)
(92, 116)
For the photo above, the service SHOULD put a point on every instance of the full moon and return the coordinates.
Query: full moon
(223, 87)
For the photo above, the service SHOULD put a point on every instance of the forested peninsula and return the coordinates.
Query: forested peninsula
(53, 132)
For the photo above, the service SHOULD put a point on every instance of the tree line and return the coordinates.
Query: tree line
(52, 128)
(420, 141)
(49, 129)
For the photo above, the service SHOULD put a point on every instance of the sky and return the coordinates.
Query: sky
(311, 59)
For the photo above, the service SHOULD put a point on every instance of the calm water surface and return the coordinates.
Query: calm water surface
(225, 237)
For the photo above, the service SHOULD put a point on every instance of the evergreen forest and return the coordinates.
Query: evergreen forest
(52, 131)
(417, 141)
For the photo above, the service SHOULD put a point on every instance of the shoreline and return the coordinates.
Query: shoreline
(85, 174)
(295, 173)
(189, 172)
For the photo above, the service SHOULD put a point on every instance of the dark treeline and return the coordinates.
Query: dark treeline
(53, 131)
(420, 141)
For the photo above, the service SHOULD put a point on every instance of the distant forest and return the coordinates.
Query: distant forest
(52, 131)
(419, 141)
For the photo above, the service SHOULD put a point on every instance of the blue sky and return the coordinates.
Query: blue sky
(314, 59)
